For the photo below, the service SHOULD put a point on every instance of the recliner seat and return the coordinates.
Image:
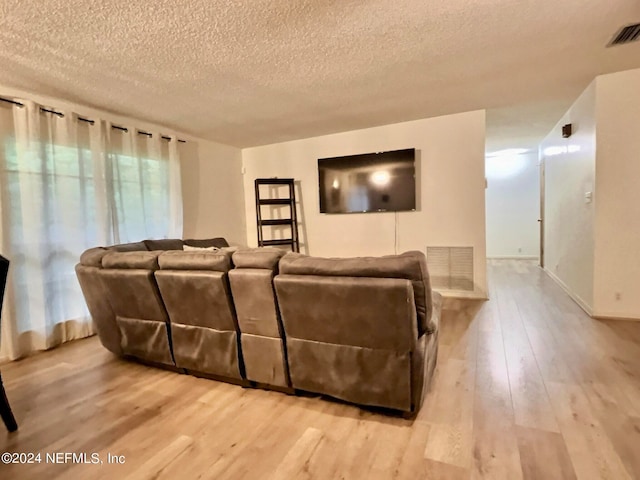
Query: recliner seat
(359, 329)
(204, 329)
(129, 282)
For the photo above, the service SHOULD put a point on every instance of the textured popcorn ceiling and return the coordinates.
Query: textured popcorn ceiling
(262, 71)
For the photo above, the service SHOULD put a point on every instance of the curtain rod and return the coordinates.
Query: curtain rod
(88, 120)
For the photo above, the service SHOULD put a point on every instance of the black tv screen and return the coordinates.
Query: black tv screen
(371, 182)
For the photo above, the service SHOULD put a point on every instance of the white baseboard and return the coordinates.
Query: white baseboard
(616, 316)
(576, 298)
(461, 294)
(513, 257)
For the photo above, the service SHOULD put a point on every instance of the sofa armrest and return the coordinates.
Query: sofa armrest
(131, 260)
(434, 320)
(93, 257)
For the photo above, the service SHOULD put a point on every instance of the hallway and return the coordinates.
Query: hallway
(532, 384)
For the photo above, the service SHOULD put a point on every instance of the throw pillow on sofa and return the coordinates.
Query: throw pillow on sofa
(189, 248)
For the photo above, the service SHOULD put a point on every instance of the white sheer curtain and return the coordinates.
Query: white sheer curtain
(145, 177)
(66, 186)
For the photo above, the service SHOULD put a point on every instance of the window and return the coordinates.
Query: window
(62, 193)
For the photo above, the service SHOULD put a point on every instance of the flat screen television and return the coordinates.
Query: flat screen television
(371, 182)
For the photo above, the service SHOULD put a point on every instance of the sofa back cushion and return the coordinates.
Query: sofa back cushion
(129, 247)
(252, 288)
(411, 266)
(164, 244)
(219, 261)
(208, 242)
(375, 313)
(131, 260)
(267, 258)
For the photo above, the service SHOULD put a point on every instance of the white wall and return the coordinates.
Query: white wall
(513, 206)
(212, 191)
(450, 181)
(617, 231)
(213, 198)
(569, 221)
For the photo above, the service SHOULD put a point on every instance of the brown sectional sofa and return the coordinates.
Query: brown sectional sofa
(364, 330)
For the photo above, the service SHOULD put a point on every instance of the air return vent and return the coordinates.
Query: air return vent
(627, 34)
(451, 268)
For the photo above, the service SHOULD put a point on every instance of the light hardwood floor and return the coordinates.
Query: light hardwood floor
(527, 386)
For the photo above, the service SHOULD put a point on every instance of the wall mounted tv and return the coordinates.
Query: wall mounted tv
(371, 182)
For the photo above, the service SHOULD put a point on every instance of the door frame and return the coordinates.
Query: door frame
(541, 218)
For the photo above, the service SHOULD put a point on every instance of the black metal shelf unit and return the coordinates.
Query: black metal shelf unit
(291, 221)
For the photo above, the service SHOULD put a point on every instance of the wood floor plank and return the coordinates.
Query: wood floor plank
(495, 450)
(622, 430)
(543, 455)
(451, 400)
(492, 376)
(449, 411)
(153, 467)
(451, 444)
(296, 463)
(413, 461)
(529, 396)
(433, 470)
(590, 449)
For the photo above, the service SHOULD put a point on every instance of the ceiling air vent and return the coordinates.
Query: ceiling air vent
(627, 34)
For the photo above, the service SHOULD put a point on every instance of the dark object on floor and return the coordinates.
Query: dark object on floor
(5, 409)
